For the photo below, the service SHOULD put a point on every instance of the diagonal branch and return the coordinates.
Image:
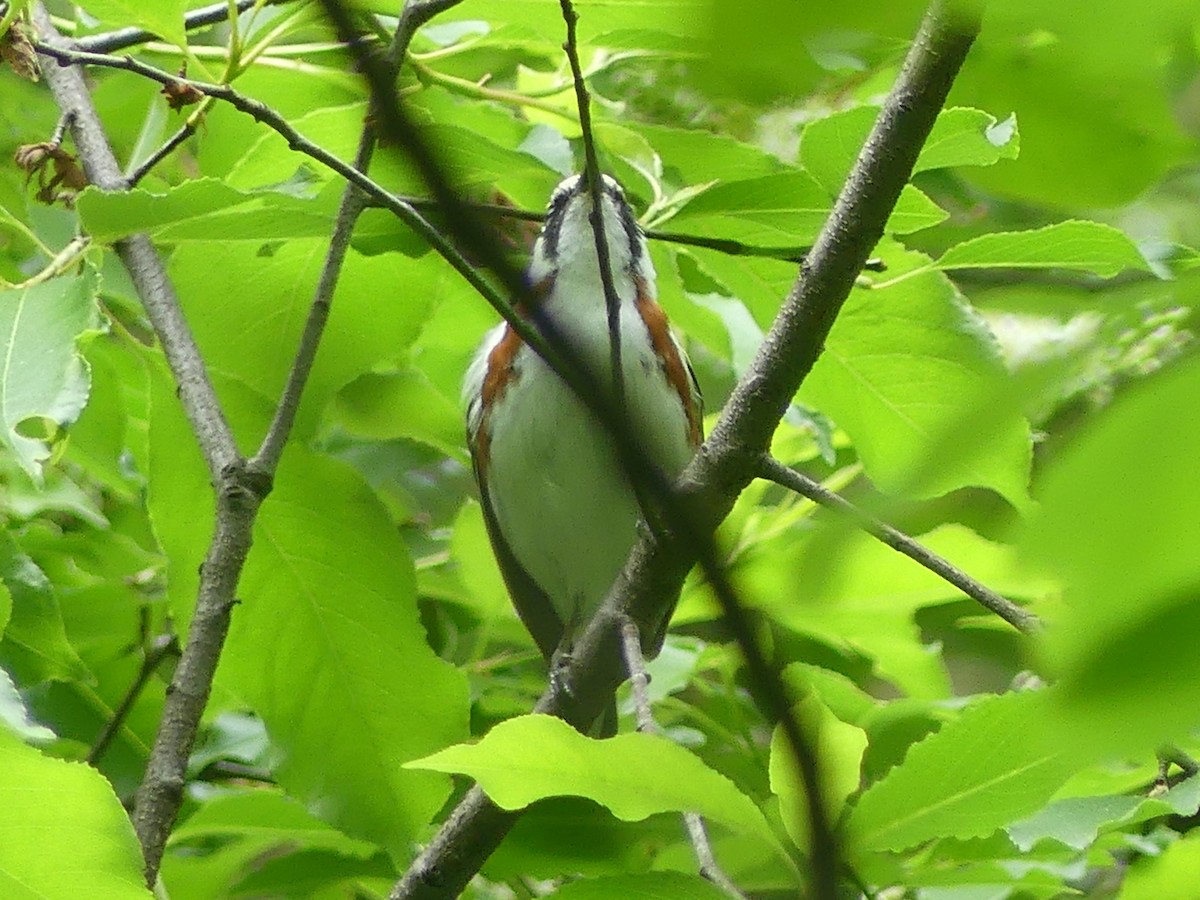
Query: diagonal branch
(729, 460)
(1020, 619)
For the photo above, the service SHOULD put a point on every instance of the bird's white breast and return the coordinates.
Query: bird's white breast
(558, 494)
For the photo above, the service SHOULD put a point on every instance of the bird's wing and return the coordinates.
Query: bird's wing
(530, 601)
(695, 408)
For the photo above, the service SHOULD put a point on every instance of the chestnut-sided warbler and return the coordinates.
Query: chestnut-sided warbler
(559, 509)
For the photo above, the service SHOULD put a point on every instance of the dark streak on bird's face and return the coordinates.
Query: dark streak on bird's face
(575, 188)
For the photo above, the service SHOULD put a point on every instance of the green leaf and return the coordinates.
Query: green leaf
(700, 156)
(15, 717)
(263, 816)
(1076, 245)
(471, 550)
(763, 51)
(838, 748)
(960, 137)
(1078, 821)
(232, 839)
(202, 210)
(1121, 540)
(973, 776)
(598, 19)
(400, 405)
(785, 211)
(643, 886)
(909, 371)
(761, 284)
(44, 379)
(61, 828)
(248, 305)
(529, 758)
(1170, 876)
(35, 646)
(968, 137)
(163, 17)
(860, 595)
(600, 845)
(1098, 126)
(328, 649)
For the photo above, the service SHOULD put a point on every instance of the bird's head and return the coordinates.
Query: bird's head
(567, 239)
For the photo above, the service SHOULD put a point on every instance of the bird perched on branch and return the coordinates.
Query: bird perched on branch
(559, 509)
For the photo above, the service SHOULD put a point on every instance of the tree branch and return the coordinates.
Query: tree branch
(1020, 619)
(186, 130)
(239, 490)
(729, 460)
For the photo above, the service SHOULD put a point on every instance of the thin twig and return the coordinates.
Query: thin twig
(1172, 755)
(240, 487)
(639, 682)
(1020, 619)
(185, 131)
(709, 869)
(464, 87)
(163, 646)
(595, 188)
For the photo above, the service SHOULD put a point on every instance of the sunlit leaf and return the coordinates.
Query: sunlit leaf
(970, 778)
(960, 137)
(43, 378)
(906, 372)
(1082, 246)
(1121, 545)
(164, 17)
(35, 646)
(838, 749)
(62, 828)
(634, 775)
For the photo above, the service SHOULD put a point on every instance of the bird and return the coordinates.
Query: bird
(559, 510)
